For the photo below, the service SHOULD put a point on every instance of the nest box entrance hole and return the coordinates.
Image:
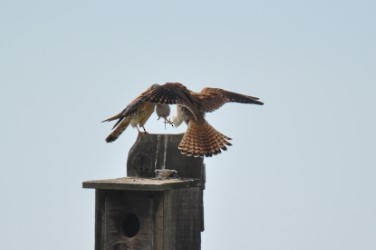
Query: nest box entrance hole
(131, 225)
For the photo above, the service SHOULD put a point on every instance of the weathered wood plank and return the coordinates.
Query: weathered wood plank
(112, 229)
(142, 184)
(129, 223)
(160, 151)
(148, 213)
(183, 219)
(99, 219)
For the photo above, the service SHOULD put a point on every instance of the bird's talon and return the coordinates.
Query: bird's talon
(169, 122)
(142, 134)
(146, 132)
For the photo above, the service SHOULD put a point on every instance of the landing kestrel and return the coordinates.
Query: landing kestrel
(200, 139)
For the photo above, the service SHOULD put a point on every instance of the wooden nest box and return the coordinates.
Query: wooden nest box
(145, 212)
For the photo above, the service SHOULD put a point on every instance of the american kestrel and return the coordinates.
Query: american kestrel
(201, 139)
(136, 114)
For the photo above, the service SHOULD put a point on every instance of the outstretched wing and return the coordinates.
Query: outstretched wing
(172, 93)
(168, 93)
(214, 98)
(133, 106)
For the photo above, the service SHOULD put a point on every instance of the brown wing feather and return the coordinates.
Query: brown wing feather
(132, 107)
(168, 93)
(173, 93)
(214, 98)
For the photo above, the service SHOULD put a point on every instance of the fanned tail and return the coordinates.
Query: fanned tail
(201, 139)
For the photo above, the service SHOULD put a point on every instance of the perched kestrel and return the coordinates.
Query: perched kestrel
(136, 114)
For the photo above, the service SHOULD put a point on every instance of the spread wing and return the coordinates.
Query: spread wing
(131, 107)
(172, 93)
(214, 98)
(168, 93)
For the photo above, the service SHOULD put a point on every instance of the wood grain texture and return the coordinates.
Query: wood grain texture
(99, 219)
(160, 151)
(167, 213)
(168, 220)
(117, 210)
(183, 219)
(141, 184)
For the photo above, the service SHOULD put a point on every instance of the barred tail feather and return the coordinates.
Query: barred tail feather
(203, 140)
(118, 130)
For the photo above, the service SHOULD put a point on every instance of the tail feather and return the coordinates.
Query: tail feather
(203, 140)
(118, 130)
(115, 117)
(120, 117)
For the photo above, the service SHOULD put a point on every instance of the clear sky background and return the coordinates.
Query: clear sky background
(301, 172)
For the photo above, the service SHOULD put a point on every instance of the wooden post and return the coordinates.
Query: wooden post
(160, 151)
(144, 212)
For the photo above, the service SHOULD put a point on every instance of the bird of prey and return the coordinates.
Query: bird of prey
(201, 139)
(136, 114)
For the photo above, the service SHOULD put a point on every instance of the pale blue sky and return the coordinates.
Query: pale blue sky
(301, 172)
